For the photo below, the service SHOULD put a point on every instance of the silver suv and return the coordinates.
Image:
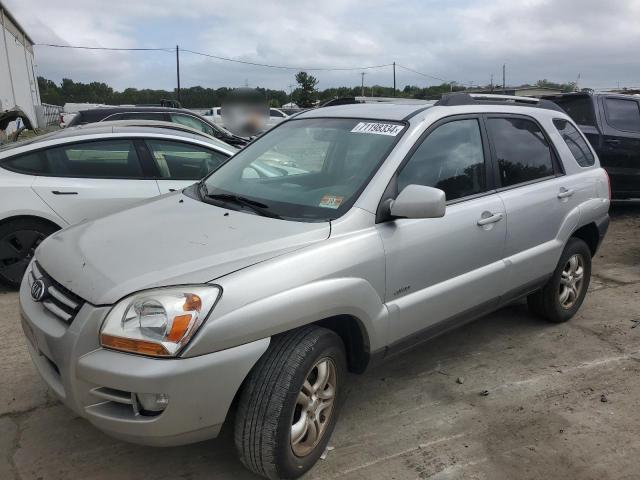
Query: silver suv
(343, 236)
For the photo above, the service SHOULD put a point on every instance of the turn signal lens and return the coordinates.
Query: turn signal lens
(135, 346)
(158, 322)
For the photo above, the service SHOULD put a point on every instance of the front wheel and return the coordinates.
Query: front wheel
(289, 403)
(561, 297)
(19, 239)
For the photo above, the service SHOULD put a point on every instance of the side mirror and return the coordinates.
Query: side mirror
(418, 201)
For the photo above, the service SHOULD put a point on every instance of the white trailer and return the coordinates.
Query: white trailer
(19, 94)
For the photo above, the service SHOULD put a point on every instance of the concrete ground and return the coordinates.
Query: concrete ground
(563, 401)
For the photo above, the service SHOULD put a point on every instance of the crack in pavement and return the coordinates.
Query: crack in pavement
(18, 418)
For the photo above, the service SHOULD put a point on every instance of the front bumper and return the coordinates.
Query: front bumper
(98, 384)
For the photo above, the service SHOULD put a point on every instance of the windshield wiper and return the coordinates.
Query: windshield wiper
(258, 207)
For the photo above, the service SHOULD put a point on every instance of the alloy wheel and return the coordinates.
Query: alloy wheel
(571, 281)
(16, 250)
(314, 407)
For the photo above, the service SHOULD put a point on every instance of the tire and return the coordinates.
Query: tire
(18, 241)
(552, 301)
(270, 404)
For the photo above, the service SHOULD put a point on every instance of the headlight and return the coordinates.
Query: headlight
(158, 322)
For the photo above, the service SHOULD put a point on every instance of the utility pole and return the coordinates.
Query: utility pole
(492, 83)
(178, 69)
(394, 79)
(291, 85)
(504, 76)
(362, 84)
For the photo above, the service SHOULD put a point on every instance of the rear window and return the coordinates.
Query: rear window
(576, 142)
(579, 108)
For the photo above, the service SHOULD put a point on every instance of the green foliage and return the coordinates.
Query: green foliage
(199, 97)
(96, 92)
(305, 95)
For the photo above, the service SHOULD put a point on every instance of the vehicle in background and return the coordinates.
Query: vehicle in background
(176, 115)
(611, 122)
(397, 223)
(81, 173)
(161, 124)
(70, 110)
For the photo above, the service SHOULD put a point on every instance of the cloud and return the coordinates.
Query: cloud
(464, 41)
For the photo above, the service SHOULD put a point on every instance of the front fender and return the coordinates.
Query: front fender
(294, 308)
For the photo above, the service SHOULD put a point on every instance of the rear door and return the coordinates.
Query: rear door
(620, 153)
(90, 179)
(180, 164)
(537, 195)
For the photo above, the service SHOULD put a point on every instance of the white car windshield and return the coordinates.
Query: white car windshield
(307, 170)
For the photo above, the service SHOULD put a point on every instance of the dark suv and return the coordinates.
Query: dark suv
(611, 122)
(175, 115)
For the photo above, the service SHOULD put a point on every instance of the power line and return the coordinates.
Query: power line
(218, 57)
(286, 67)
(423, 74)
(104, 48)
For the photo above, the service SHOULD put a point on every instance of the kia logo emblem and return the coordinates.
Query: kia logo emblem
(38, 290)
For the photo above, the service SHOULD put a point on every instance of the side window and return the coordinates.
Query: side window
(182, 161)
(30, 163)
(275, 113)
(451, 158)
(623, 114)
(100, 159)
(522, 150)
(576, 142)
(191, 122)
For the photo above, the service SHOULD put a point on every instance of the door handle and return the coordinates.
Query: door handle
(496, 217)
(565, 192)
(612, 141)
(58, 192)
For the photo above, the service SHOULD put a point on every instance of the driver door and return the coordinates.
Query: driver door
(446, 268)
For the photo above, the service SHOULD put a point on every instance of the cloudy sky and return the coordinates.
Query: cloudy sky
(458, 40)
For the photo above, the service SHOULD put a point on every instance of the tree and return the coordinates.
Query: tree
(305, 95)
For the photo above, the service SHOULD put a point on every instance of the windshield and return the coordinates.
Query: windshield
(307, 170)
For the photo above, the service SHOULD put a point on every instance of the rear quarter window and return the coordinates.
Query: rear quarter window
(576, 142)
(29, 163)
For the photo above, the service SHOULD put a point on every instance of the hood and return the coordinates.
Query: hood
(170, 240)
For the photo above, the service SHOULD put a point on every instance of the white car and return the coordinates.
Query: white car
(81, 173)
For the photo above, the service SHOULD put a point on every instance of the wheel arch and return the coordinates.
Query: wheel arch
(354, 336)
(39, 218)
(590, 234)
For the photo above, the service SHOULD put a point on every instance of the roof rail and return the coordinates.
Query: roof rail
(463, 98)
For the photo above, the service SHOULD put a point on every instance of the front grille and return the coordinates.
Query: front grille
(60, 301)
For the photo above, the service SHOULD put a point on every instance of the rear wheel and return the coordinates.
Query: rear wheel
(289, 405)
(562, 296)
(18, 240)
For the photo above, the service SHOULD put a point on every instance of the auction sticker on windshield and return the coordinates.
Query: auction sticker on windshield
(330, 201)
(378, 128)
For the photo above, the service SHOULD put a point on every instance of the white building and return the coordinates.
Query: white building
(18, 84)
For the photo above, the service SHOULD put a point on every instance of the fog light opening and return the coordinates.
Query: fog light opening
(152, 404)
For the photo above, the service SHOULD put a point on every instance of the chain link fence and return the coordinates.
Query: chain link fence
(51, 114)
